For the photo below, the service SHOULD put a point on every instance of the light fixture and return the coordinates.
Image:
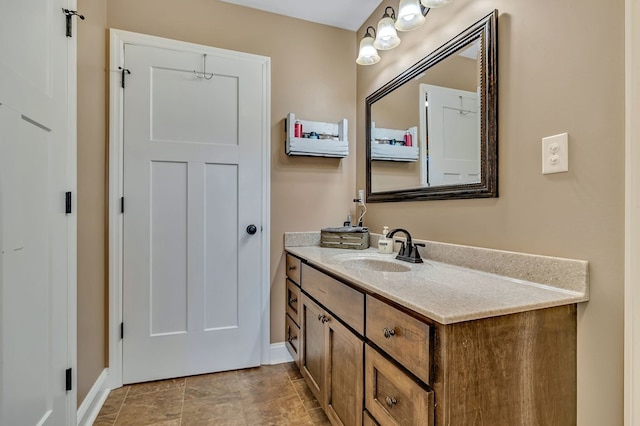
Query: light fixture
(368, 55)
(410, 15)
(432, 4)
(386, 36)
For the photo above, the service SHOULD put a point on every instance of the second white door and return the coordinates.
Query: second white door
(192, 190)
(452, 139)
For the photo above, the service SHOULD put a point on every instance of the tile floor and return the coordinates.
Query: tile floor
(268, 395)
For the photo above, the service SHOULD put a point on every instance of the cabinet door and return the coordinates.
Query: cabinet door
(312, 348)
(345, 382)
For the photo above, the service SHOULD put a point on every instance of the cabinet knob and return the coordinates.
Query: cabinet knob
(323, 318)
(388, 333)
(292, 338)
(292, 268)
(293, 300)
(391, 401)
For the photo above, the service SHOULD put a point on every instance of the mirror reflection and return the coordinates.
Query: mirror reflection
(432, 130)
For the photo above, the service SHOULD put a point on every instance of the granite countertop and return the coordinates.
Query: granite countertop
(449, 293)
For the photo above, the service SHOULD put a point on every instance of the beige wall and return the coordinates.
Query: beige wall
(561, 69)
(312, 74)
(92, 249)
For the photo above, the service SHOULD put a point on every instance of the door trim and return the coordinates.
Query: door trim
(632, 216)
(118, 38)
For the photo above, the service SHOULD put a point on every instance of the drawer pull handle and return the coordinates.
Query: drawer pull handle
(391, 401)
(292, 338)
(293, 300)
(323, 318)
(292, 268)
(388, 333)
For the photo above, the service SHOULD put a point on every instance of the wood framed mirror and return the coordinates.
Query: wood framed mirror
(432, 131)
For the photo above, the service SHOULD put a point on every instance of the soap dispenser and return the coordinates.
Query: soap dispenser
(385, 245)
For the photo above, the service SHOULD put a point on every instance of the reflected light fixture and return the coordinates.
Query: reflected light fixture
(410, 15)
(386, 36)
(368, 55)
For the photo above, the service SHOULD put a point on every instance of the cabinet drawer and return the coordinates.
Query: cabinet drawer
(293, 268)
(293, 301)
(403, 337)
(392, 397)
(345, 302)
(292, 336)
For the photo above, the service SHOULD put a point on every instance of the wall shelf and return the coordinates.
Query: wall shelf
(389, 152)
(337, 146)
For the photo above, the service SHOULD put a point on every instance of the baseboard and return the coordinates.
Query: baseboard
(90, 407)
(279, 354)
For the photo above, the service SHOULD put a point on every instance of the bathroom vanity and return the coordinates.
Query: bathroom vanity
(384, 342)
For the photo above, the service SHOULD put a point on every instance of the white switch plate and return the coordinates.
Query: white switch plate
(555, 154)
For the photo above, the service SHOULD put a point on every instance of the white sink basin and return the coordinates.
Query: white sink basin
(374, 263)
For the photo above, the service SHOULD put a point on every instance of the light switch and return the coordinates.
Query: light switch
(555, 154)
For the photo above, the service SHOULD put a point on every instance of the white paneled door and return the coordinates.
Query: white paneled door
(192, 211)
(452, 135)
(37, 235)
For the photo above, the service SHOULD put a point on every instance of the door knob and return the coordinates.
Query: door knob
(251, 229)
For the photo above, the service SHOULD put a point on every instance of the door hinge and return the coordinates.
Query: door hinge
(121, 204)
(68, 379)
(70, 14)
(124, 71)
(121, 330)
(67, 202)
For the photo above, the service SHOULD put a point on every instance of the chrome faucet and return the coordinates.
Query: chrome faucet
(408, 252)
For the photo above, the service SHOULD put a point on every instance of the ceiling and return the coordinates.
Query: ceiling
(347, 14)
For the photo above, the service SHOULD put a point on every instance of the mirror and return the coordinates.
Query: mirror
(432, 131)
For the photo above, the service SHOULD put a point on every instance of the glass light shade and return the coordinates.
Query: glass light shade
(368, 54)
(431, 4)
(386, 36)
(410, 15)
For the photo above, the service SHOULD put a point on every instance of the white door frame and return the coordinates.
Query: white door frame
(632, 216)
(118, 39)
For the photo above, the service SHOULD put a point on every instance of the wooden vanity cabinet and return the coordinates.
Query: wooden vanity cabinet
(517, 369)
(372, 362)
(331, 354)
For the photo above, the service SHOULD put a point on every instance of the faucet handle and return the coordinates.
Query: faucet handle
(415, 254)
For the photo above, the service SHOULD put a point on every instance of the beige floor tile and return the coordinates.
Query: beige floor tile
(287, 411)
(265, 384)
(201, 411)
(114, 401)
(293, 371)
(217, 388)
(157, 386)
(318, 418)
(269, 395)
(151, 408)
(308, 400)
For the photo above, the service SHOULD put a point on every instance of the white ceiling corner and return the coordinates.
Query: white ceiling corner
(347, 14)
